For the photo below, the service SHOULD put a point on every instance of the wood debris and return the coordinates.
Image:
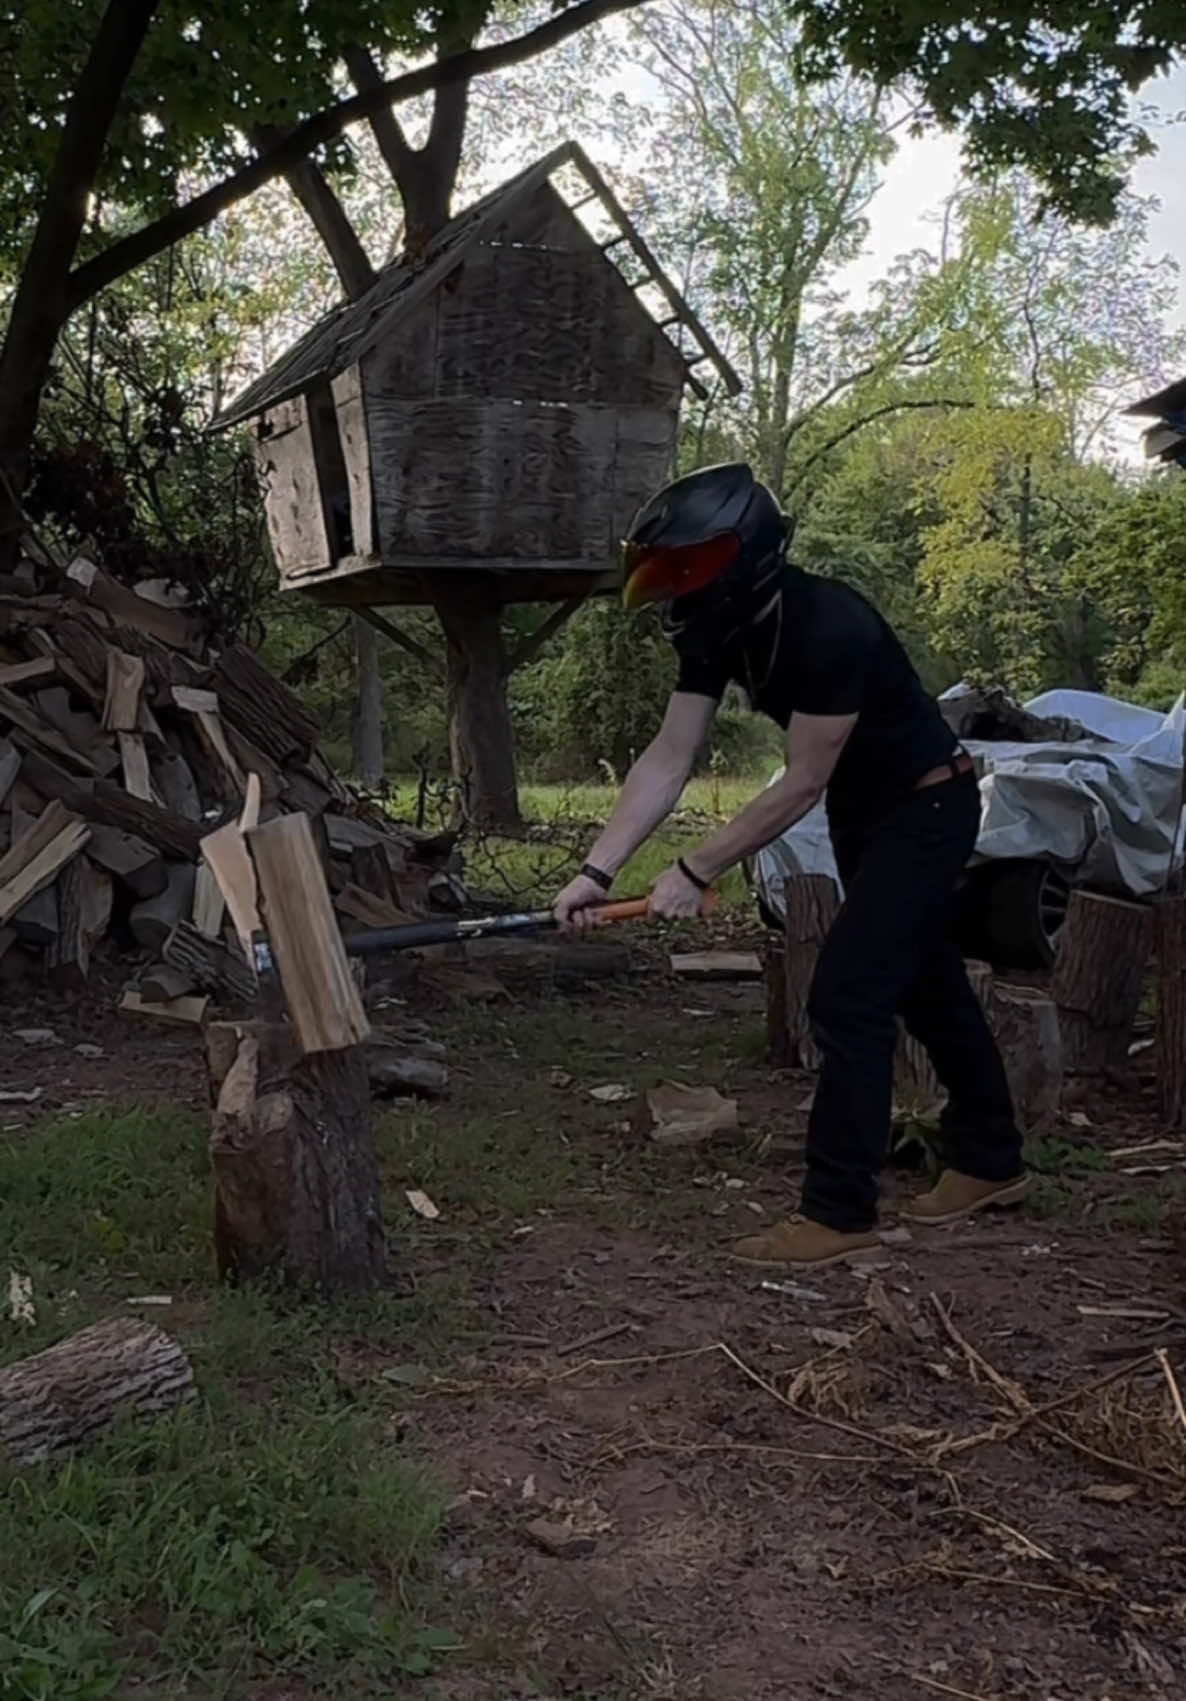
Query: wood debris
(673, 1114)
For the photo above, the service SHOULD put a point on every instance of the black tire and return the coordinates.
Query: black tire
(1013, 912)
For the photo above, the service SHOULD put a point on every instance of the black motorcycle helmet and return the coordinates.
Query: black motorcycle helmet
(717, 527)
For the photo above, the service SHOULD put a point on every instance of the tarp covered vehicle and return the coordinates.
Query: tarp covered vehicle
(1076, 789)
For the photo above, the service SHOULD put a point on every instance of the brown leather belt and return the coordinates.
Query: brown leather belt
(961, 763)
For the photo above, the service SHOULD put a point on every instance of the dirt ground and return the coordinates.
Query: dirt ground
(953, 1470)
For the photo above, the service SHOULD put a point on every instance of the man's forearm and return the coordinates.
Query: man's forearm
(649, 793)
(757, 825)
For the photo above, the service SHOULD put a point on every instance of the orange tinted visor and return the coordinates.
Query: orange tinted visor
(659, 575)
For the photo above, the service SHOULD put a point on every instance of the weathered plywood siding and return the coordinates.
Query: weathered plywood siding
(404, 363)
(550, 325)
(644, 462)
(296, 519)
(496, 480)
(352, 430)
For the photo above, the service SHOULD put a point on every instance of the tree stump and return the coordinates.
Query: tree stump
(1025, 1025)
(812, 903)
(774, 964)
(1097, 983)
(1170, 935)
(916, 1086)
(62, 1399)
(296, 1184)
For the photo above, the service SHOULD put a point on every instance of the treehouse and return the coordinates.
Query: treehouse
(1164, 441)
(478, 428)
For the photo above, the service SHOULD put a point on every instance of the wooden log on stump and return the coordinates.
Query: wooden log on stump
(295, 1178)
(811, 902)
(1098, 979)
(1025, 1025)
(1169, 926)
(61, 1399)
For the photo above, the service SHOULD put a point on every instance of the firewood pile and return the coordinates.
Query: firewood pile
(125, 739)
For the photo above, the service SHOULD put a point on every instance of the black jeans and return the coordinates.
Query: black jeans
(891, 952)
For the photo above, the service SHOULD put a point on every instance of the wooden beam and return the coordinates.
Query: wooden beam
(38, 856)
(323, 1001)
(134, 757)
(390, 630)
(125, 682)
(190, 1011)
(20, 673)
(672, 295)
(535, 641)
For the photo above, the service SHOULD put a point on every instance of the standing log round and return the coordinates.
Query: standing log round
(1025, 1026)
(296, 1185)
(1098, 979)
(1170, 932)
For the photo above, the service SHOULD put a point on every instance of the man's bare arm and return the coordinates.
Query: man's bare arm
(814, 744)
(649, 793)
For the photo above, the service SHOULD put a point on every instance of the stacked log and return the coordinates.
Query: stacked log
(126, 738)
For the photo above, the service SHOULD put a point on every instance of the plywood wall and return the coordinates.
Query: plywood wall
(296, 518)
(499, 479)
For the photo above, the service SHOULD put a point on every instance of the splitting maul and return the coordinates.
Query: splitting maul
(377, 941)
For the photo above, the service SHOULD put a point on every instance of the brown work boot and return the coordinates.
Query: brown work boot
(801, 1244)
(955, 1195)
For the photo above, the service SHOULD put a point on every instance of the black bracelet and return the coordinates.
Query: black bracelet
(690, 874)
(598, 876)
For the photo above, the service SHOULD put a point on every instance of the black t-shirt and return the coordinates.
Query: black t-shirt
(826, 651)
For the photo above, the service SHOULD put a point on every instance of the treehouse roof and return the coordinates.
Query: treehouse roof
(345, 334)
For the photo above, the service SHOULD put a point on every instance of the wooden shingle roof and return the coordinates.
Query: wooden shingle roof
(1166, 440)
(344, 335)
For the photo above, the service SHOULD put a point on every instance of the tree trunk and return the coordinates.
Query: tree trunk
(1025, 1026)
(61, 1399)
(1098, 979)
(296, 1186)
(481, 739)
(41, 303)
(1170, 935)
(811, 902)
(368, 724)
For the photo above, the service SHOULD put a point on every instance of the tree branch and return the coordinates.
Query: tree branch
(182, 221)
(856, 425)
(385, 126)
(311, 188)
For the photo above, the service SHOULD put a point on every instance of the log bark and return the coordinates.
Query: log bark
(1025, 1025)
(153, 920)
(481, 739)
(778, 1049)
(209, 964)
(296, 1185)
(1098, 979)
(394, 1071)
(1170, 936)
(811, 902)
(62, 1399)
(368, 716)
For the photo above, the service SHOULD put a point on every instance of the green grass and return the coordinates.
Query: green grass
(533, 870)
(269, 1527)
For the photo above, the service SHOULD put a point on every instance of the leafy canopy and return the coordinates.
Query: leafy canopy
(207, 74)
(1044, 84)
